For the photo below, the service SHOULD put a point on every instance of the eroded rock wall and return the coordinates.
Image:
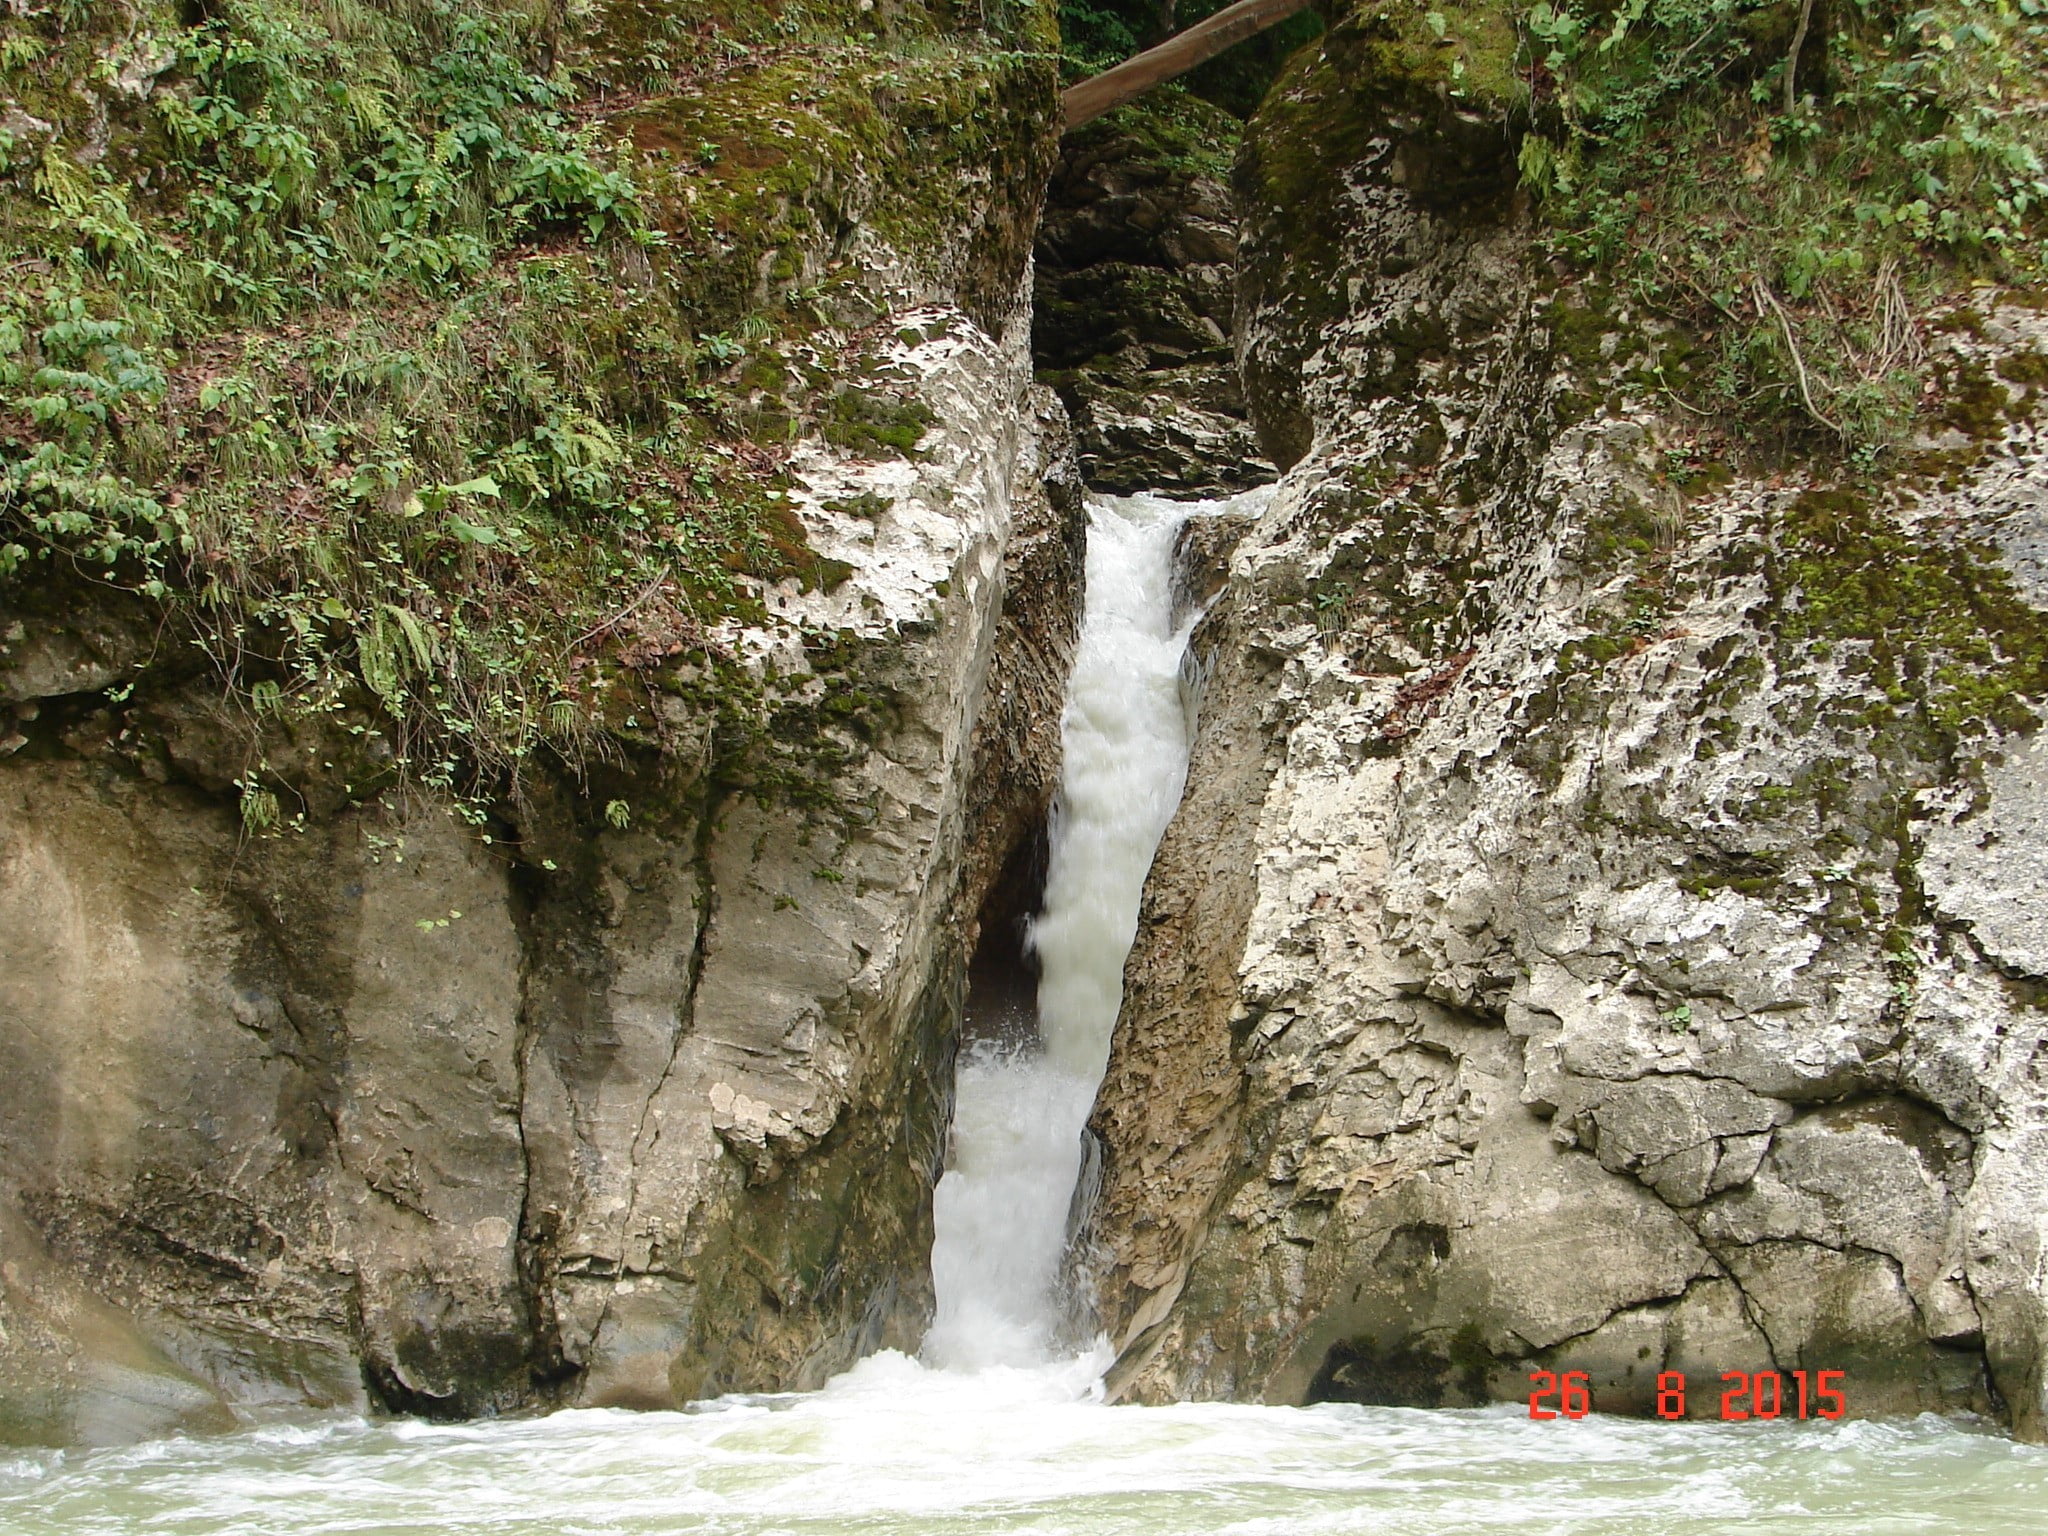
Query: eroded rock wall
(395, 1110)
(341, 1064)
(1588, 943)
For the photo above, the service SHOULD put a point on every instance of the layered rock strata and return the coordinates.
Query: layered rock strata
(1135, 304)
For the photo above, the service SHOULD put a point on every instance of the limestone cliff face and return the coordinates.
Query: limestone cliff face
(338, 1070)
(391, 1111)
(1604, 928)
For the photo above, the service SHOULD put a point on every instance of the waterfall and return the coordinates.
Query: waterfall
(994, 1431)
(1001, 1209)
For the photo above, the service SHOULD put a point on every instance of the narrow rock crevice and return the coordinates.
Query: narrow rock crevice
(1002, 975)
(1135, 306)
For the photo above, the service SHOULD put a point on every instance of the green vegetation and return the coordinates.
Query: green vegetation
(1098, 34)
(1770, 249)
(1172, 128)
(1793, 213)
(1473, 52)
(1947, 629)
(1784, 227)
(431, 365)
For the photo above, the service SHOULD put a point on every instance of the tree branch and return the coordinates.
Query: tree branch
(1792, 57)
(1176, 56)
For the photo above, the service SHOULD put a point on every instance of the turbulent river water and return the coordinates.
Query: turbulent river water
(997, 1427)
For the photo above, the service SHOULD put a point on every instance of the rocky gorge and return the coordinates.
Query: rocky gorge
(1602, 929)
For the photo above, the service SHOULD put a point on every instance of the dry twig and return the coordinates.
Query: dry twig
(624, 613)
(1765, 299)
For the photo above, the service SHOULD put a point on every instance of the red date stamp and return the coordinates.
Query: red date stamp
(1745, 1395)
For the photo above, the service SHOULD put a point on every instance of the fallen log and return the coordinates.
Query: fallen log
(1176, 56)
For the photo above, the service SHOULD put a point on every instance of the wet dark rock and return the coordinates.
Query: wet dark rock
(1136, 298)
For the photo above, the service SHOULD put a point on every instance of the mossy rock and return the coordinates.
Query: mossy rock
(492, 429)
(764, 178)
(1382, 95)
(1940, 614)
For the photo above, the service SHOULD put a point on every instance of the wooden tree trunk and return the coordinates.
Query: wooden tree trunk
(1176, 56)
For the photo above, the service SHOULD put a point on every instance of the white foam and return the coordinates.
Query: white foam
(898, 1448)
(1001, 1210)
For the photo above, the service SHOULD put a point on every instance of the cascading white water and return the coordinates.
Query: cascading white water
(895, 1447)
(1001, 1209)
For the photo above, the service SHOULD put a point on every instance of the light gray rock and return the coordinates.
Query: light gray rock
(383, 1112)
(1986, 858)
(1612, 975)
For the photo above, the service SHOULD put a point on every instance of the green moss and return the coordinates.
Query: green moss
(1464, 51)
(2028, 367)
(1695, 472)
(758, 177)
(1976, 404)
(1309, 126)
(1471, 1359)
(1710, 882)
(876, 423)
(1170, 128)
(867, 506)
(1583, 331)
(436, 361)
(1624, 529)
(1943, 621)
(1388, 580)
(1626, 535)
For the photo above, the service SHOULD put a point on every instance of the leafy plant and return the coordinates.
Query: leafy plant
(1793, 181)
(361, 346)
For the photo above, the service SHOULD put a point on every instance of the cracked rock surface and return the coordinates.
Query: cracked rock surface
(382, 1114)
(1572, 953)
